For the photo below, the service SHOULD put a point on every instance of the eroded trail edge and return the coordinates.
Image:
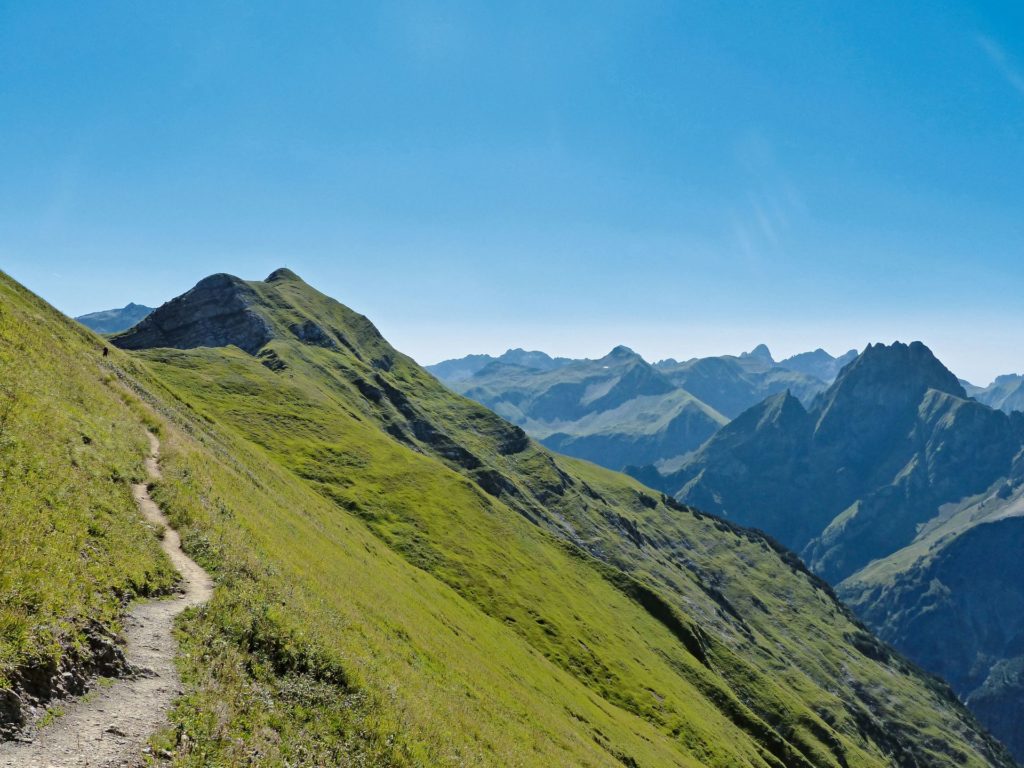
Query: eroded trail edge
(110, 725)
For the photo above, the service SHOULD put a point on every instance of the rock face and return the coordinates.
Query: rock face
(217, 312)
(115, 320)
(35, 686)
(849, 479)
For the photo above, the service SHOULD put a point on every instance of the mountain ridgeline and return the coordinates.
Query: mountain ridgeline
(1005, 393)
(114, 320)
(901, 490)
(407, 579)
(620, 410)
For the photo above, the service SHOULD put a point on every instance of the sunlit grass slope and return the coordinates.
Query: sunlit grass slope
(72, 545)
(404, 579)
(493, 603)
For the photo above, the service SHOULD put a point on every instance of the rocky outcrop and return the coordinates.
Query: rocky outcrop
(218, 312)
(33, 686)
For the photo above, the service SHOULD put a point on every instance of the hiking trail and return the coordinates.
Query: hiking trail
(110, 725)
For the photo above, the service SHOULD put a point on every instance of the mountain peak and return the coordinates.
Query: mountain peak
(115, 320)
(760, 352)
(282, 274)
(621, 352)
(216, 312)
(883, 386)
(779, 410)
(898, 366)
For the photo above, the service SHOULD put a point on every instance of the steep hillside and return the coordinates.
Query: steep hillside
(115, 320)
(614, 411)
(405, 579)
(875, 471)
(72, 546)
(692, 637)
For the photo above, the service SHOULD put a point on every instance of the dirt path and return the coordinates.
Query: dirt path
(110, 726)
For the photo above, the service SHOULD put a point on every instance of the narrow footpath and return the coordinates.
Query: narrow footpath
(110, 725)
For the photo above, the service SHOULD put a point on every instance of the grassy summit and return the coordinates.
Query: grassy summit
(406, 579)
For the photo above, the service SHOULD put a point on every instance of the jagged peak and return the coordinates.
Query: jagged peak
(1008, 378)
(912, 364)
(882, 383)
(760, 352)
(780, 407)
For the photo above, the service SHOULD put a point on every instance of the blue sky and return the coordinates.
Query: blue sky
(683, 178)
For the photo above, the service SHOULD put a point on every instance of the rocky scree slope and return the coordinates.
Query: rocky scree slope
(585, 620)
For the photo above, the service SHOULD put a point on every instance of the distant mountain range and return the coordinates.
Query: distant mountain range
(115, 320)
(897, 482)
(620, 410)
(907, 495)
(1005, 393)
(464, 367)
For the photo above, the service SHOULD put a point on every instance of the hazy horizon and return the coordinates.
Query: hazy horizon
(977, 360)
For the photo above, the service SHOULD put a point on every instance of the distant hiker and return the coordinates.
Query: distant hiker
(106, 351)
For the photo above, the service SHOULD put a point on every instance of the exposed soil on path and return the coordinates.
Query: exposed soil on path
(110, 725)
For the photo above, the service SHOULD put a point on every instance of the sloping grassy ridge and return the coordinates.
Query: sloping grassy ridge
(73, 548)
(404, 579)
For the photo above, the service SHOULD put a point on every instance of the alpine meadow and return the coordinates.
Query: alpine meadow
(443, 384)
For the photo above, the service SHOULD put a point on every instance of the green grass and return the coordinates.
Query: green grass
(375, 606)
(72, 546)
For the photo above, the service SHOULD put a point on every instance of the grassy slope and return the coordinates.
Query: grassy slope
(772, 674)
(376, 607)
(72, 546)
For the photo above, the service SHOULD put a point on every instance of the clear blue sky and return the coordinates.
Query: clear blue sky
(683, 178)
